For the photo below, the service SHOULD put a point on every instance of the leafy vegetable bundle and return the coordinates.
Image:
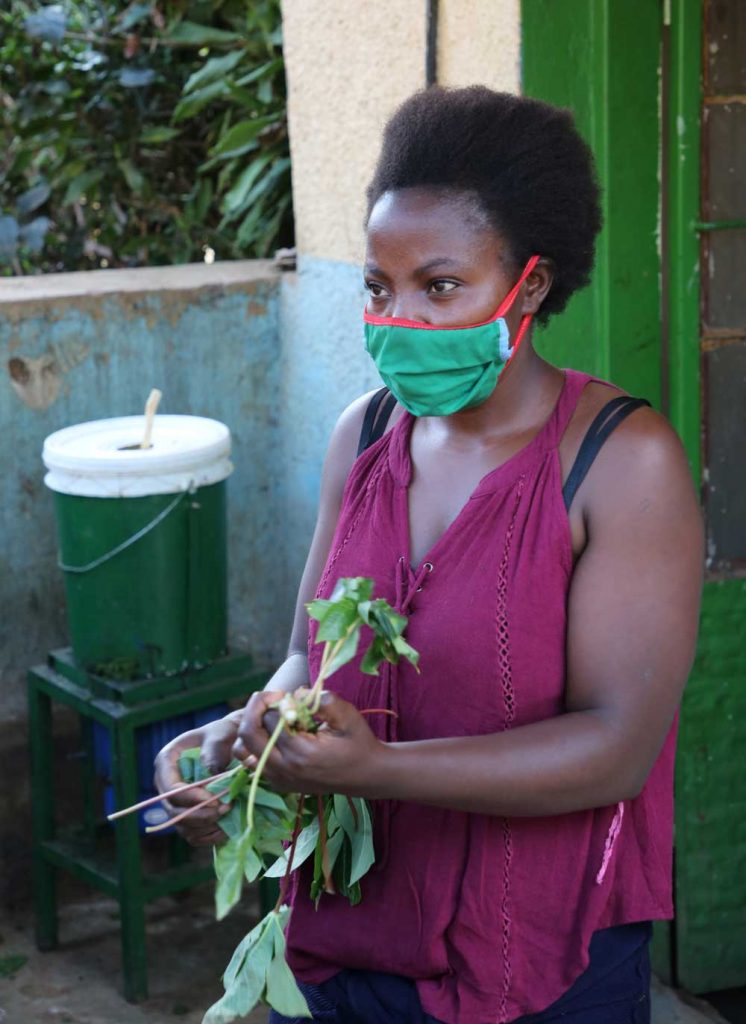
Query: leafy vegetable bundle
(272, 834)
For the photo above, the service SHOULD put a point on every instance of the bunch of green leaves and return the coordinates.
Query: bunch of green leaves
(141, 133)
(341, 619)
(286, 832)
(263, 824)
(340, 837)
(258, 971)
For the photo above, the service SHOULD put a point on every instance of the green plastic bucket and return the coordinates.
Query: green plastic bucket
(142, 536)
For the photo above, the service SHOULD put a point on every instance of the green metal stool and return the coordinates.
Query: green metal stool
(121, 707)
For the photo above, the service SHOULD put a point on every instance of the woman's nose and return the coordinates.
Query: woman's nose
(406, 307)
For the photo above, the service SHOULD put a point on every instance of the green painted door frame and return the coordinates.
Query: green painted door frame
(603, 60)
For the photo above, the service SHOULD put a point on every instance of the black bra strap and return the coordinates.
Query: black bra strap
(374, 425)
(607, 420)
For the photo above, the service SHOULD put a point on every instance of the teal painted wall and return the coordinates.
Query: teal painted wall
(213, 350)
(324, 367)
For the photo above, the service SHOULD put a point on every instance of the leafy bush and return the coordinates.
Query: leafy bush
(141, 133)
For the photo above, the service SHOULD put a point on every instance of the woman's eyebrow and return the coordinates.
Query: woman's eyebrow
(372, 269)
(439, 261)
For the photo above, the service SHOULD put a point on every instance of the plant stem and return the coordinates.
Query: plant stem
(291, 853)
(187, 812)
(260, 768)
(331, 650)
(325, 867)
(172, 792)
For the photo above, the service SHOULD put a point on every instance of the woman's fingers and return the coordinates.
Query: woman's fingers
(216, 747)
(258, 721)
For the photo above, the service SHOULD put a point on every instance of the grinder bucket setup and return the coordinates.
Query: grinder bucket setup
(142, 542)
(141, 519)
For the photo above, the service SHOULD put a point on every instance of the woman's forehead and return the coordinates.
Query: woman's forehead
(423, 222)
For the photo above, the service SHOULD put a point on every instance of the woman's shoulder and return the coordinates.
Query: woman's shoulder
(644, 433)
(641, 464)
(345, 436)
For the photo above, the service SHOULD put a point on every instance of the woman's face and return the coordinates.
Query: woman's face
(435, 259)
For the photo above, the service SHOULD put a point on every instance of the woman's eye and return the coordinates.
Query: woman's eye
(376, 290)
(441, 287)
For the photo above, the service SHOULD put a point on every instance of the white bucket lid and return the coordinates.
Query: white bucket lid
(186, 452)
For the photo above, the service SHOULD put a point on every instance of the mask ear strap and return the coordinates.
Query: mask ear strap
(510, 299)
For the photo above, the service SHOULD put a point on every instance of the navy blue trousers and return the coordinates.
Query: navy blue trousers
(614, 989)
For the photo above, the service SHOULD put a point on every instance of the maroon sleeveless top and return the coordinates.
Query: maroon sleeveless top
(492, 916)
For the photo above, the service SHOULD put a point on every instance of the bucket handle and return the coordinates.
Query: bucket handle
(130, 540)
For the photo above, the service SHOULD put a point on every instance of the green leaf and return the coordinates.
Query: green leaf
(235, 199)
(279, 167)
(245, 977)
(33, 198)
(132, 175)
(266, 798)
(264, 93)
(318, 608)
(304, 847)
(200, 35)
(154, 136)
(357, 588)
(214, 68)
(80, 185)
(267, 69)
(338, 620)
(133, 16)
(232, 822)
(373, 657)
(259, 935)
(229, 868)
(360, 835)
(403, 648)
(32, 235)
(189, 764)
(363, 853)
(196, 101)
(252, 865)
(346, 652)
(251, 225)
(283, 994)
(9, 965)
(240, 135)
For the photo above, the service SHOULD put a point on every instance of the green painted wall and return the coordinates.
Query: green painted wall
(711, 801)
(601, 58)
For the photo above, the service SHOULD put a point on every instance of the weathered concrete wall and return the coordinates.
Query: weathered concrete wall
(87, 346)
(349, 66)
(480, 43)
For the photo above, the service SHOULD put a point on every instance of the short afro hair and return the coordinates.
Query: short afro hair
(524, 160)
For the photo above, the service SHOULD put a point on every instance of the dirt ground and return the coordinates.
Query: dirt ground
(80, 983)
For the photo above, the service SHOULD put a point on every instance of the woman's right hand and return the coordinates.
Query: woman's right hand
(215, 739)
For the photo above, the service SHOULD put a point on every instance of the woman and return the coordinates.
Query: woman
(541, 532)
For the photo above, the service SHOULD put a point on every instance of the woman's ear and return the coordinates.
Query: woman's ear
(536, 286)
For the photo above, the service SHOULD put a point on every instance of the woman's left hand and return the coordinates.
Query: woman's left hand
(338, 758)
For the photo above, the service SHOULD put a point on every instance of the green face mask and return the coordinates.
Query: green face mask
(436, 371)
